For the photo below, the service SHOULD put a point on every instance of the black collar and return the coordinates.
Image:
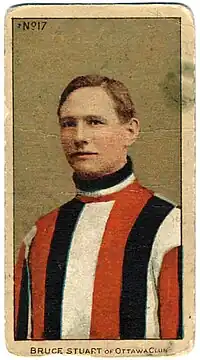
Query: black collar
(106, 181)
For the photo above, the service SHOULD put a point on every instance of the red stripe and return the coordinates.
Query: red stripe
(17, 281)
(169, 295)
(107, 284)
(38, 263)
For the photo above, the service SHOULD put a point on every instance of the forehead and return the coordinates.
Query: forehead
(89, 101)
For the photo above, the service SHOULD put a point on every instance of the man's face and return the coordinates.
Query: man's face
(93, 138)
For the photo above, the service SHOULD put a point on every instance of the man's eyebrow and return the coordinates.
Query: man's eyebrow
(94, 117)
(85, 117)
(67, 118)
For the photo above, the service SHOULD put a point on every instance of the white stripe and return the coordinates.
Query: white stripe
(111, 190)
(27, 241)
(167, 237)
(152, 324)
(80, 274)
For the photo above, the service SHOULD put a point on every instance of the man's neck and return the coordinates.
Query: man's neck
(115, 180)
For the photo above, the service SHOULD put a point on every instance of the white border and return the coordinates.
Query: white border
(193, 5)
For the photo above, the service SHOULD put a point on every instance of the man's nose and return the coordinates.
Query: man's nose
(81, 134)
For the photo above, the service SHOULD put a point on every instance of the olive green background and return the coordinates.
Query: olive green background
(142, 53)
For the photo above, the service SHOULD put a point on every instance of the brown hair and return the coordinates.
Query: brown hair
(115, 89)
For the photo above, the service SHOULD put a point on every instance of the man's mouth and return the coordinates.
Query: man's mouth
(83, 154)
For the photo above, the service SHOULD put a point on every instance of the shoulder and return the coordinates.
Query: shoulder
(169, 230)
(50, 217)
(164, 210)
(168, 236)
(160, 202)
(168, 233)
(47, 218)
(161, 215)
(42, 224)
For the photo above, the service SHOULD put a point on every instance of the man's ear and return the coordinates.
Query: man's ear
(133, 129)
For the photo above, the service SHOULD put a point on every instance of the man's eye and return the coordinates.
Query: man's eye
(95, 121)
(68, 123)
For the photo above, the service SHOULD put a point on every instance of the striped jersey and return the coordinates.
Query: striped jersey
(105, 265)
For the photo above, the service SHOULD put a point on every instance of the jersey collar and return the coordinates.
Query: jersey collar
(106, 185)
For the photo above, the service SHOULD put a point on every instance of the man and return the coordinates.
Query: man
(105, 265)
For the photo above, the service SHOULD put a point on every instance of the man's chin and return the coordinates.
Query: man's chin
(83, 169)
(87, 171)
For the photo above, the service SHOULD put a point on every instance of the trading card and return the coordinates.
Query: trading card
(100, 179)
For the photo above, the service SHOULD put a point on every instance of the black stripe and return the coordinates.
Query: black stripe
(56, 266)
(22, 319)
(180, 280)
(135, 266)
(30, 285)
